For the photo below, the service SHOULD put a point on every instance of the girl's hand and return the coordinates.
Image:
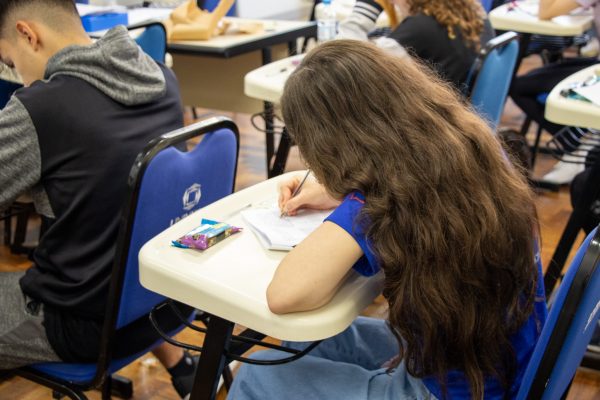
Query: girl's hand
(312, 195)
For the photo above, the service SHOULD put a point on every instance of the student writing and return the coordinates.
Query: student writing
(449, 221)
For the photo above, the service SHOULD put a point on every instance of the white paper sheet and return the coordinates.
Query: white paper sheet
(283, 233)
(592, 93)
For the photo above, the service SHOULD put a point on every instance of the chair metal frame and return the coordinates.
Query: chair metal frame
(102, 379)
(493, 44)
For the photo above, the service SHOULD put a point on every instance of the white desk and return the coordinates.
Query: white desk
(573, 112)
(524, 19)
(206, 77)
(230, 279)
(211, 73)
(267, 82)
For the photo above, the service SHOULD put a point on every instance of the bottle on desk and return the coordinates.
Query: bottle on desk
(326, 22)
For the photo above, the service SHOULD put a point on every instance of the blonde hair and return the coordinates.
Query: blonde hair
(468, 15)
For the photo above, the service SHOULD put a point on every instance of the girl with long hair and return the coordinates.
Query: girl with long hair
(445, 34)
(424, 192)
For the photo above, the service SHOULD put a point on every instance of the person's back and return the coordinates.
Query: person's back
(70, 137)
(435, 213)
(95, 112)
(446, 35)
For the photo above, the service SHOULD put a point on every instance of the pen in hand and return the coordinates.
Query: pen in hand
(296, 191)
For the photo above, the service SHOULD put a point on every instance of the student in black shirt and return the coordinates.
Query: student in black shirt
(69, 138)
(446, 34)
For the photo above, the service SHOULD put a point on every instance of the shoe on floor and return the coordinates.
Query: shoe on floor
(563, 173)
(182, 376)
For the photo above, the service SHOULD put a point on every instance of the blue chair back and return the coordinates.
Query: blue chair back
(487, 5)
(491, 75)
(153, 40)
(170, 185)
(569, 327)
(164, 185)
(210, 5)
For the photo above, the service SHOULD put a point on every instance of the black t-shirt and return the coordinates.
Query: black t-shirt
(88, 143)
(77, 340)
(423, 37)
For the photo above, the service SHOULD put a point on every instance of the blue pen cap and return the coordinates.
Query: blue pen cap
(99, 22)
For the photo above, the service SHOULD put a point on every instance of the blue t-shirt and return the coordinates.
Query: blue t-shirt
(523, 342)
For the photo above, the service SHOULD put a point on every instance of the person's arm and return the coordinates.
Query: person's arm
(310, 275)
(20, 159)
(553, 8)
(361, 21)
(312, 195)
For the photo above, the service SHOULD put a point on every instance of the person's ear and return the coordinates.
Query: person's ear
(26, 32)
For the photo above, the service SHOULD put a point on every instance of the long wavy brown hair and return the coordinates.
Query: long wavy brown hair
(451, 223)
(467, 15)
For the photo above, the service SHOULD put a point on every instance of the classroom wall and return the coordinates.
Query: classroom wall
(275, 9)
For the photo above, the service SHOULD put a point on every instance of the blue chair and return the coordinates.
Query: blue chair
(490, 77)
(210, 5)
(487, 5)
(571, 322)
(153, 40)
(165, 184)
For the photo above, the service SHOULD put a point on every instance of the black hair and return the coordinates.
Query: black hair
(8, 6)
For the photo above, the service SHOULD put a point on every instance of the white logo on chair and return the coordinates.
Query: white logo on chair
(191, 197)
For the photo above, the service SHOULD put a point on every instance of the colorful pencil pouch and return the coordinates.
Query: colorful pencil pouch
(206, 235)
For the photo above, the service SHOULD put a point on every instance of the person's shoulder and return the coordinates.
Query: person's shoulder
(56, 95)
(416, 30)
(355, 198)
(421, 21)
(47, 86)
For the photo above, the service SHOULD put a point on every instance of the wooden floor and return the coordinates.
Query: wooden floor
(152, 381)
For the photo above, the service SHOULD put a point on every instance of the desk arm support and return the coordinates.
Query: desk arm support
(166, 337)
(297, 354)
(245, 337)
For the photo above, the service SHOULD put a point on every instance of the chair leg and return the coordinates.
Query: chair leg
(121, 387)
(555, 266)
(283, 150)
(536, 145)
(106, 388)
(525, 126)
(7, 230)
(227, 377)
(16, 246)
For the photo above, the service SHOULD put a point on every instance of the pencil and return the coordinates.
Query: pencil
(296, 191)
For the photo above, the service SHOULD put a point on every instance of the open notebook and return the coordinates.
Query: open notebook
(283, 233)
